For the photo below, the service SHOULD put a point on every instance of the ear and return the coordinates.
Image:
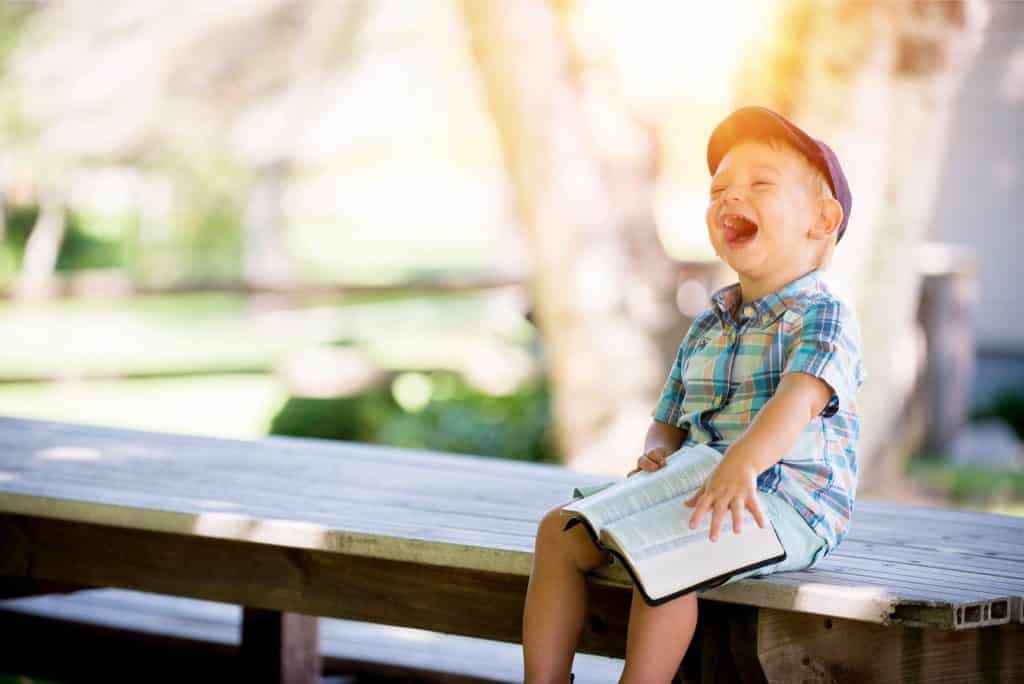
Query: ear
(830, 215)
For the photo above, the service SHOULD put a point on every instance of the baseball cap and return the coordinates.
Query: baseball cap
(758, 123)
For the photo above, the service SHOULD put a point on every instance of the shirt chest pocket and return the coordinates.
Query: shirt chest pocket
(757, 367)
(705, 373)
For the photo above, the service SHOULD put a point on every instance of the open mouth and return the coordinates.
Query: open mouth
(738, 230)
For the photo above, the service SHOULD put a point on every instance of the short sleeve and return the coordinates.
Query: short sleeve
(827, 345)
(669, 408)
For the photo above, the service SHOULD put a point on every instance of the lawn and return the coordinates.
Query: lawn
(204, 363)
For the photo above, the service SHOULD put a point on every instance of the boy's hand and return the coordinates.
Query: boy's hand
(732, 486)
(651, 460)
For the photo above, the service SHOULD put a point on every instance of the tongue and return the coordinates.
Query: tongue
(732, 234)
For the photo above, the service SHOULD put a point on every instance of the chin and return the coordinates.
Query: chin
(741, 263)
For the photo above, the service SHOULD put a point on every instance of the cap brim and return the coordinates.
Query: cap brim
(755, 123)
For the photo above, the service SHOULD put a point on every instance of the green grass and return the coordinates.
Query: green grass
(974, 487)
(204, 363)
(212, 333)
(238, 406)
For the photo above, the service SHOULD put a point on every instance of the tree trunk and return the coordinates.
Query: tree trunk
(39, 263)
(877, 81)
(265, 260)
(599, 281)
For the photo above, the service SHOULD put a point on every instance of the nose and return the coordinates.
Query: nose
(731, 193)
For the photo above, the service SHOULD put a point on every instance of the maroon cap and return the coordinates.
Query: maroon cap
(759, 123)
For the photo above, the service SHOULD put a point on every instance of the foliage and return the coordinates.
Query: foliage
(464, 421)
(1007, 404)
(968, 483)
(80, 248)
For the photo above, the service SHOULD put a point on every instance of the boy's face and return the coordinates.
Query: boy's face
(761, 210)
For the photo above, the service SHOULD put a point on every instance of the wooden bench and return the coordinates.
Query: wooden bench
(112, 635)
(293, 529)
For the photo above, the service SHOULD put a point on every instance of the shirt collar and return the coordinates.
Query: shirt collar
(727, 301)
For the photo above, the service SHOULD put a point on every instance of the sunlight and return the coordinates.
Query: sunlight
(243, 527)
(69, 454)
(668, 50)
(860, 603)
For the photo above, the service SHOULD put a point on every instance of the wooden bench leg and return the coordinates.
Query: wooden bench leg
(280, 648)
(728, 644)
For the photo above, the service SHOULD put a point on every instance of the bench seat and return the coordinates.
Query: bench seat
(444, 541)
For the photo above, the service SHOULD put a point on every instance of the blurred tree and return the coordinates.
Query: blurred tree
(878, 81)
(152, 82)
(39, 261)
(603, 290)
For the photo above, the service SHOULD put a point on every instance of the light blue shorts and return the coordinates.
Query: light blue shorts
(803, 546)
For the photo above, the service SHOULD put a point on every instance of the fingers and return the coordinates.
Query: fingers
(699, 511)
(737, 515)
(653, 459)
(719, 508)
(716, 520)
(755, 509)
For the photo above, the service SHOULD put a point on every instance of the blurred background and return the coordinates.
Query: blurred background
(478, 227)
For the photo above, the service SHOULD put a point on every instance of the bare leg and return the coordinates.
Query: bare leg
(556, 598)
(658, 638)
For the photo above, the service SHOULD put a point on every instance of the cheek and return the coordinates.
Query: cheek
(709, 217)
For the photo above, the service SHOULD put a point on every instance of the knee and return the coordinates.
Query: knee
(574, 544)
(551, 525)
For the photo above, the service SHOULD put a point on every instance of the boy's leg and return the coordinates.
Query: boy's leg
(556, 598)
(658, 638)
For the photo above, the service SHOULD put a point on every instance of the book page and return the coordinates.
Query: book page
(667, 526)
(684, 471)
(667, 567)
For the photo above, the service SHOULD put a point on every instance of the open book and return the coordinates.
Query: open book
(644, 523)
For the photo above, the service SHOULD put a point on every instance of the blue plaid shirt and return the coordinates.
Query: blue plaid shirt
(731, 361)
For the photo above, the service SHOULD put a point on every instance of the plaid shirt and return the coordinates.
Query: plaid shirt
(731, 361)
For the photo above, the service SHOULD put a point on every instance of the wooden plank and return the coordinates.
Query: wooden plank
(341, 501)
(346, 646)
(927, 558)
(357, 537)
(888, 510)
(329, 479)
(429, 496)
(800, 647)
(453, 600)
(279, 647)
(962, 549)
(19, 437)
(956, 538)
(912, 575)
(420, 490)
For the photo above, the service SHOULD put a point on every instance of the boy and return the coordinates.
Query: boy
(767, 375)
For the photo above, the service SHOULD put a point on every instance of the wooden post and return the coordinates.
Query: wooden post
(728, 644)
(279, 647)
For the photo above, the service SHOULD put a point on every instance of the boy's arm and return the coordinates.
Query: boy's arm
(798, 398)
(662, 440)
